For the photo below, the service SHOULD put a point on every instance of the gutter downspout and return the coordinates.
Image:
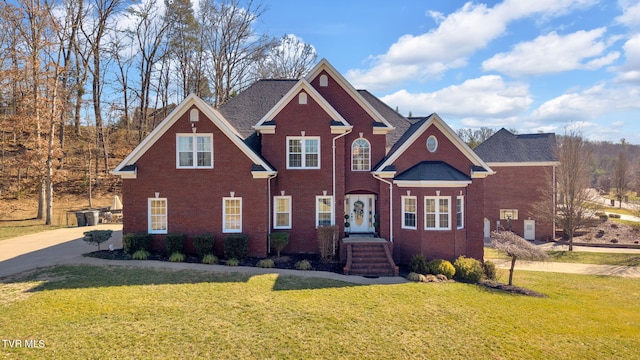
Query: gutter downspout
(390, 205)
(269, 211)
(333, 190)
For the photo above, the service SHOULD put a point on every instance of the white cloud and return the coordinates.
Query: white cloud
(630, 14)
(553, 53)
(630, 71)
(485, 97)
(458, 35)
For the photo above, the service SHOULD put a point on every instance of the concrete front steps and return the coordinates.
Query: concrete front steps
(369, 257)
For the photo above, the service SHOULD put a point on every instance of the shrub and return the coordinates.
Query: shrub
(97, 237)
(236, 246)
(441, 267)
(232, 262)
(141, 255)
(136, 241)
(489, 270)
(303, 265)
(177, 257)
(174, 243)
(416, 277)
(468, 270)
(326, 237)
(265, 263)
(418, 264)
(278, 241)
(209, 259)
(203, 244)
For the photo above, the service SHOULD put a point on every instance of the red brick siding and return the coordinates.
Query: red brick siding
(194, 196)
(518, 187)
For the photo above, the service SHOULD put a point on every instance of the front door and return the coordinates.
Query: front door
(529, 229)
(361, 211)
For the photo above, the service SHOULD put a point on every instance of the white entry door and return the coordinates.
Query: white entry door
(361, 211)
(529, 229)
(487, 228)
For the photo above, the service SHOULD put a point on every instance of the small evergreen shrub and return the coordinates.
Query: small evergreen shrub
(177, 257)
(278, 241)
(441, 267)
(418, 265)
(140, 255)
(174, 243)
(468, 270)
(133, 242)
(416, 277)
(266, 263)
(209, 259)
(203, 244)
(303, 265)
(489, 270)
(236, 246)
(97, 237)
(232, 262)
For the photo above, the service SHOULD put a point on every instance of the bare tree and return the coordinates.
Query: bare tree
(231, 43)
(517, 248)
(475, 137)
(290, 58)
(621, 177)
(575, 201)
(183, 43)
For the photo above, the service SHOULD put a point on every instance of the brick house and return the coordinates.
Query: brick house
(524, 165)
(293, 155)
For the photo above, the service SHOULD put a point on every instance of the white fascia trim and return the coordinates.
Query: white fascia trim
(430, 183)
(523, 164)
(263, 174)
(340, 129)
(303, 84)
(382, 130)
(125, 174)
(325, 65)
(480, 174)
(265, 129)
(214, 116)
(385, 174)
(436, 121)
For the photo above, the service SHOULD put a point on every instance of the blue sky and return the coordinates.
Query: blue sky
(531, 65)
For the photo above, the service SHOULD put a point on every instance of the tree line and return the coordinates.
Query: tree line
(84, 81)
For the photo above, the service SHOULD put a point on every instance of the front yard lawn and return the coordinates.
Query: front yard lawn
(579, 257)
(114, 312)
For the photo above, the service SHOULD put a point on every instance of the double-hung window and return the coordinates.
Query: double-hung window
(460, 212)
(231, 215)
(437, 213)
(282, 212)
(303, 152)
(324, 210)
(157, 216)
(409, 212)
(194, 151)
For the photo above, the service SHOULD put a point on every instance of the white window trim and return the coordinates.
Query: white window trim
(275, 212)
(368, 157)
(318, 210)
(166, 216)
(404, 225)
(461, 224)
(303, 160)
(224, 215)
(437, 227)
(194, 150)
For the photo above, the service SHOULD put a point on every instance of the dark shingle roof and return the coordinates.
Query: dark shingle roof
(432, 171)
(247, 108)
(505, 146)
(399, 122)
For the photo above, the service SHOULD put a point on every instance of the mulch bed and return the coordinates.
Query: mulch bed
(494, 285)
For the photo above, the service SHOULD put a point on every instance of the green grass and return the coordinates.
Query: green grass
(580, 257)
(595, 258)
(110, 312)
(10, 228)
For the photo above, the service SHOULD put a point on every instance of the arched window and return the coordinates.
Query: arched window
(360, 155)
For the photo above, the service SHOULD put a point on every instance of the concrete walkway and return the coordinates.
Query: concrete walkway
(65, 246)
